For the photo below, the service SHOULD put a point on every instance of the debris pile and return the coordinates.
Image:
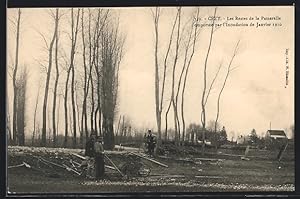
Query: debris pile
(56, 162)
(133, 166)
(169, 149)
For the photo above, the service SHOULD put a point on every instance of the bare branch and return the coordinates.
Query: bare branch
(212, 83)
(43, 37)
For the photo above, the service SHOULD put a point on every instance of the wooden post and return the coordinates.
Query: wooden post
(280, 154)
(247, 150)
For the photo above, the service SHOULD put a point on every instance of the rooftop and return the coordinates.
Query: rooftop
(276, 132)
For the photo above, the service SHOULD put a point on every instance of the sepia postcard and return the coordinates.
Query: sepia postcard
(163, 99)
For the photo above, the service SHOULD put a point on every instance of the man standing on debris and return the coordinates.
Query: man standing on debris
(99, 158)
(151, 142)
(90, 154)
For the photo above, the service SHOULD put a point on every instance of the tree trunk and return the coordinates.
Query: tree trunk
(48, 81)
(34, 117)
(223, 86)
(55, 94)
(157, 102)
(21, 103)
(96, 121)
(74, 39)
(85, 87)
(107, 135)
(66, 108)
(203, 112)
(186, 72)
(15, 133)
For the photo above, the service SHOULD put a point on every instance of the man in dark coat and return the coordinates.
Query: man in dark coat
(151, 142)
(99, 158)
(90, 155)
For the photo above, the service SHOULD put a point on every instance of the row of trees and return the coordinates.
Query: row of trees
(184, 36)
(95, 45)
(92, 44)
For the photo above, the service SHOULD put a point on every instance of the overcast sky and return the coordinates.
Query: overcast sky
(255, 93)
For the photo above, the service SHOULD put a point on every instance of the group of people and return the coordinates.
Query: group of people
(94, 152)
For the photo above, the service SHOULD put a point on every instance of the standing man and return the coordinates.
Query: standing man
(99, 158)
(90, 155)
(151, 142)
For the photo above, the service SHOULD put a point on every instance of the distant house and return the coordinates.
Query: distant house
(242, 139)
(275, 138)
(275, 134)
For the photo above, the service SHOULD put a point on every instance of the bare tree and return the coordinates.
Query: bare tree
(203, 112)
(8, 127)
(229, 69)
(111, 54)
(187, 66)
(159, 94)
(66, 106)
(56, 19)
(172, 100)
(55, 92)
(91, 63)
(157, 101)
(77, 109)
(74, 29)
(15, 70)
(85, 87)
(21, 105)
(57, 121)
(34, 116)
(100, 22)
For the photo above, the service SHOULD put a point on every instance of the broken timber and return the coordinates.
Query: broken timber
(61, 166)
(79, 156)
(151, 160)
(216, 177)
(70, 169)
(282, 150)
(83, 158)
(114, 165)
(166, 176)
(109, 167)
(20, 165)
(209, 159)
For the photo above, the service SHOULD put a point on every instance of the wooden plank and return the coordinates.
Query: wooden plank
(209, 159)
(79, 156)
(216, 177)
(16, 166)
(83, 158)
(166, 176)
(114, 165)
(151, 160)
(70, 169)
(63, 166)
(109, 167)
(52, 163)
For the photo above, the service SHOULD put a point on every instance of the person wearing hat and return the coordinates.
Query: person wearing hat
(90, 155)
(151, 142)
(99, 158)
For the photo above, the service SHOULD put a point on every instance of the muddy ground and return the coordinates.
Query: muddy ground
(214, 172)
